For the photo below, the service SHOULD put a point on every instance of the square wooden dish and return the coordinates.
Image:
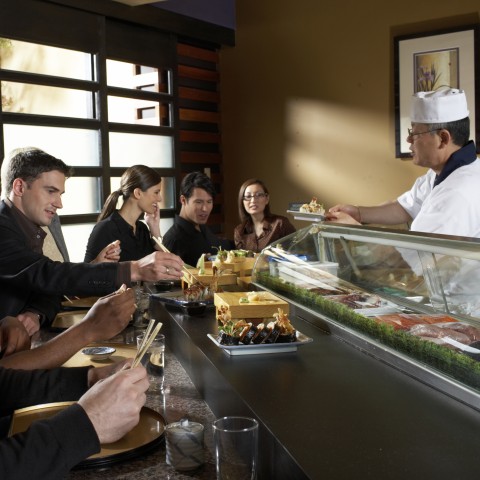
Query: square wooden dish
(264, 308)
(191, 276)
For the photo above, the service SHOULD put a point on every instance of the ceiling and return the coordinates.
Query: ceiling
(134, 3)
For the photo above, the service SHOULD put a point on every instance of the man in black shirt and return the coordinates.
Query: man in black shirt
(189, 236)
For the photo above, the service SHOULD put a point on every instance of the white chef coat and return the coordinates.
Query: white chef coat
(451, 208)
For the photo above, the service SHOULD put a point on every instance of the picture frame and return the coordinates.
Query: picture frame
(426, 61)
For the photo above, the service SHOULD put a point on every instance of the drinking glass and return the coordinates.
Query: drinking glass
(154, 361)
(236, 446)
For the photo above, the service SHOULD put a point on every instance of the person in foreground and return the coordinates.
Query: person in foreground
(140, 188)
(109, 403)
(445, 200)
(107, 318)
(189, 237)
(34, 184)
(54, 247)
(259, 227)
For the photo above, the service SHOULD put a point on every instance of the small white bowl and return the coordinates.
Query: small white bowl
(99, 353)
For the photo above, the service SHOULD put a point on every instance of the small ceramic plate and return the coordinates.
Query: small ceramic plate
(99, 353)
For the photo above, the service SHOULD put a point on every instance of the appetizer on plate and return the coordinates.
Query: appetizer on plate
(239, 332)
(312, 207)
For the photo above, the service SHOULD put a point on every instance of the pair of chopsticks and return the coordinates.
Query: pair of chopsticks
(186, 271)
(148, 338)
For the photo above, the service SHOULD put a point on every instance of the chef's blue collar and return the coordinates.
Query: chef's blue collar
(465, 156)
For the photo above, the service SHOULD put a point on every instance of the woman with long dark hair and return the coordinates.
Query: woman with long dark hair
(259, 227)
(140, 190)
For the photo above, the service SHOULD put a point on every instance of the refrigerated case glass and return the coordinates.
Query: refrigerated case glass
(417, 296)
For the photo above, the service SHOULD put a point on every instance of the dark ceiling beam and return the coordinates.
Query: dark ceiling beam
(158, 18)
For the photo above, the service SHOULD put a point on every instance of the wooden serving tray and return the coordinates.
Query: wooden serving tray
(264, 308)
(64, 320)
(122, 353)
(191, 276)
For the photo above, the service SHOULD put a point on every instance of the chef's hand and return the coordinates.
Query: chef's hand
(344, 214)
(113, 405)
(13, 336)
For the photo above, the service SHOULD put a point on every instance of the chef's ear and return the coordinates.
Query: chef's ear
(445, 137)
(183, 200)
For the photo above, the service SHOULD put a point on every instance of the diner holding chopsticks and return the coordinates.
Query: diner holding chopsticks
(34, 184)
(140, 188)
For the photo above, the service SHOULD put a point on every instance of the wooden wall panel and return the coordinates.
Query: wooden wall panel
(199, 118)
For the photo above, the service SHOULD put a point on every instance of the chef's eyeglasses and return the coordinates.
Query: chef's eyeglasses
(411, 134)
(256, 196)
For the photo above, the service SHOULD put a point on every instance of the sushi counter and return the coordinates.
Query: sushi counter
(327, 409)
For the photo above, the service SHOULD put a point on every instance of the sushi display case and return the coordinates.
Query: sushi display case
(410, 299)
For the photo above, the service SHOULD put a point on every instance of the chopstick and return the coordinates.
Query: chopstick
(184, 268)
(147, 341)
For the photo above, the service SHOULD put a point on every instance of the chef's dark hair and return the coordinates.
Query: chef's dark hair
(459, 130)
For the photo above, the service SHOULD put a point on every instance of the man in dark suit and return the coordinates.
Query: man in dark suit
(33, 184)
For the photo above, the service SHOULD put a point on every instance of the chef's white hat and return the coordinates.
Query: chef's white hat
(440, 106)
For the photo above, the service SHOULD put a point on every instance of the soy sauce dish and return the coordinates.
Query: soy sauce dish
(98, 353)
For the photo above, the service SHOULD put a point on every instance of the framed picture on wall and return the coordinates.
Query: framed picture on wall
(427, 61)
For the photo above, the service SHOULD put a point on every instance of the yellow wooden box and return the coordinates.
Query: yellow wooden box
(264, 308)
(191, 276)
(241, 265)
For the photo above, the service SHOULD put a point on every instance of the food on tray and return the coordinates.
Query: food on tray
(231, 256)
(236, 332)
(252, 297)
(436, 331)
(405, 321)
(312, 207)
(357, 300)
(198, 292)
(329, 291)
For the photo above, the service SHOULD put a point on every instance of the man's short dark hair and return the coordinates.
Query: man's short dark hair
(459, 130)
(196, 180)
(28, 164)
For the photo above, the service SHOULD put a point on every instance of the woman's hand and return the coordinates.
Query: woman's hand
(153, 221)
(111, 253)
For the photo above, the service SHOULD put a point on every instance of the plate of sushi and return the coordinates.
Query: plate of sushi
(239, 337)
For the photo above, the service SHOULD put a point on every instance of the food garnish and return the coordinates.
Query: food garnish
(313, 207)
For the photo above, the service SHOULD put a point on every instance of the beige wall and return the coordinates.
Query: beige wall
(307, 97)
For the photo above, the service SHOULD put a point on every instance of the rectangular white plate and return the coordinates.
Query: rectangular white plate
(262, 348)
(309, 217)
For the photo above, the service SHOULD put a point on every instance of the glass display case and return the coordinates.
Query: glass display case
(410, 299)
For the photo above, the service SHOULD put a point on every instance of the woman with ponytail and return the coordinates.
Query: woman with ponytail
(140, 191)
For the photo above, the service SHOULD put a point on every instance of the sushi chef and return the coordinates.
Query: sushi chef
(445, 200)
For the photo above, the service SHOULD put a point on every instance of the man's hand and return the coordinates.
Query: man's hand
(100, 373)
(113, 405)
(109, 315)
(13, 336)
(111, 253)
(157, 266)
(30, 321)
(334, 214)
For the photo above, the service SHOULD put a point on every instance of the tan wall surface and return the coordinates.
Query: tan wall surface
(307, 98)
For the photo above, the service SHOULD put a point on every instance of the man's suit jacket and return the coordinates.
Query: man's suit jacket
(29, 278)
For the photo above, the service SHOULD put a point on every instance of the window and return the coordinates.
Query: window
(99, 112)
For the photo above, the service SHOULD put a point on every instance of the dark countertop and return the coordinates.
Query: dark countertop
(329, 410)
